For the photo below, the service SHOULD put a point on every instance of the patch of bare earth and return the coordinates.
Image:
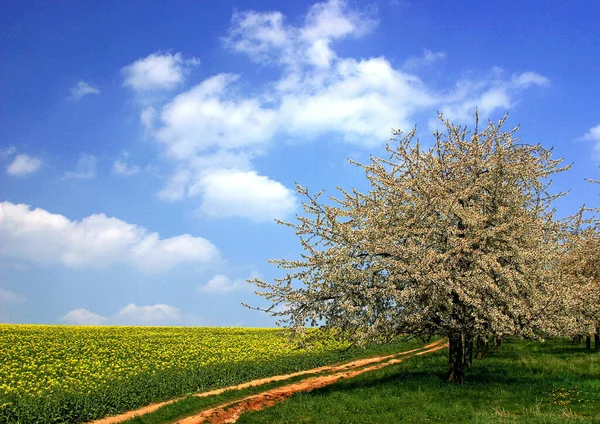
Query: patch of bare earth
(229, 412)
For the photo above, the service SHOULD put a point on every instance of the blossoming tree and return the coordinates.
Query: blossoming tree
(457, 239)
(579, 266)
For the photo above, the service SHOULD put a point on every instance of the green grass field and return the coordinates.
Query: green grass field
(524, 382)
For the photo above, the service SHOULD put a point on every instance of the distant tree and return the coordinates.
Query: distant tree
(456, 240)
(580, 268)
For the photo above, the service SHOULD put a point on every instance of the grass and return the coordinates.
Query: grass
(524, 382)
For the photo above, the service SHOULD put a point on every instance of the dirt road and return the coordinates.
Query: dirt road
(229, 412)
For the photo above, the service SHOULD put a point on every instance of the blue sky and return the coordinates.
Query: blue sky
(147, 147)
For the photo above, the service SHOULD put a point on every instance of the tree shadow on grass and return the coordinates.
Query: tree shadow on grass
(478, 378)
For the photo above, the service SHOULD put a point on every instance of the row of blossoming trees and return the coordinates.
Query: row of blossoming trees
(458, 239)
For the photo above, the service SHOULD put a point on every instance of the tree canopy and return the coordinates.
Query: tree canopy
(579, 267)
(457, 239)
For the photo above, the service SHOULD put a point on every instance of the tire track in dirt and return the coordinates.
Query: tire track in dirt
(230, 412)
(336, 372)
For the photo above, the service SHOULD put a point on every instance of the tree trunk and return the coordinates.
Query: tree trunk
(588, 343)
(468, 351)
(597, 340)
(456, 373)
(577, 339)
(482, 346)
(497, 342)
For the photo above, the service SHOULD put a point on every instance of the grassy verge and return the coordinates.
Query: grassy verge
(524, 382)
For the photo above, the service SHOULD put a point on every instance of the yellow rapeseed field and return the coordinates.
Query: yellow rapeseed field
(89, 367)
(39, 358)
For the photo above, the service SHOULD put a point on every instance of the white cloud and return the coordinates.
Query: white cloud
(9, 296)
(264, 37)
(361, 100)
(82, 316)
(232, 193)
(95, 241)
(222, 159)
(152, 254)
(184, 181)
(148, 118)
(221, 284)
(176, 188)
(257, 34)
(147, 315)
(326, 22)
(427, 59)
(82, 89)
(206, 117)
(527, 79)
(593, 135)
(318, 92)
(490, 95)
(131, 314)
(23, 165)
(122, 167)
(158, 72)
(85, 169)
(8, 151)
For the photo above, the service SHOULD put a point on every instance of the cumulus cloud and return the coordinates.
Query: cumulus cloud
(593, 135)
(228, 187)
(147, 315)
(265, 37)
(158, 71)
(122, 166)
(231, 193)
(95, 241)
(9, 296)
(257, 34)
(320, 92)
(221, 284)
(131, 314)
(177, 186)
(85, 169)
(489, 95)
(148, 118)
(360, 100)
(206, 117)
(428, 58)
(82, 89)
(23, 165)
(527, 79)
(317, 92)
(7, 152)
(82, 316)
(184, 181)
